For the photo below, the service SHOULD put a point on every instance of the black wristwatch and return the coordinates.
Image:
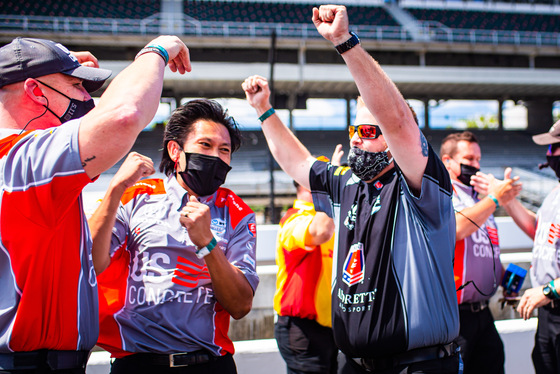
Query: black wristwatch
(349, 44)
(547, 291)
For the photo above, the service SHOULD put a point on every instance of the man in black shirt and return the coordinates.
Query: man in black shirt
(394, 302)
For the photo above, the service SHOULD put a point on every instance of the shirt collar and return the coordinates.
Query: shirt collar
(177, 191)
(303, 205)
(463, 187)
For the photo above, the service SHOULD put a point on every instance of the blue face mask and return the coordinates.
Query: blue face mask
(76, 108)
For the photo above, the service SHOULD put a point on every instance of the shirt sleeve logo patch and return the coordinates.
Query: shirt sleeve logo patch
(252, 227)
(354, 265)
(218, 225)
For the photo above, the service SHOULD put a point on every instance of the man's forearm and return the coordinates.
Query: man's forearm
(289, 152)
(231, 288)
(101, 226)
(523, 217)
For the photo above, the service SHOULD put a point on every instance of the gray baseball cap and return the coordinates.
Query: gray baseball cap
(32, 58)
(550, 137)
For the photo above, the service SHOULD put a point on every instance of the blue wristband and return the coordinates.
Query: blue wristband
(205, 251)
(155, 49)
(162, 50)
(493, 198)
(553, 289)
(266, 114)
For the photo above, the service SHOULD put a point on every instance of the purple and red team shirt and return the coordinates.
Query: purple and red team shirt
(477, 255)
(156, 295)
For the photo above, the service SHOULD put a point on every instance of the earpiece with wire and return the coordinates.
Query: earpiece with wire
(36, 91)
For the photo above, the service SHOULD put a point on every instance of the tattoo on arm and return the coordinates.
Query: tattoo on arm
(84, 163)
(424, 145)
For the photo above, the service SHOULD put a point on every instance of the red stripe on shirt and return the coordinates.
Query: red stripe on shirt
(459, 267)
(221, 323)
(237, 208)
(112, 286)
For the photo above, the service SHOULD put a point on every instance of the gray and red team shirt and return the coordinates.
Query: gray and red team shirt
(156, 295)
(477, 255)
(48, 290)
(545, 265)
(393, 287)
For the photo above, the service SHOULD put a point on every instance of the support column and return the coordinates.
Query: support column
(177, 103)
(426, 114)
(500, 114)
(539, 115)
(348, 114)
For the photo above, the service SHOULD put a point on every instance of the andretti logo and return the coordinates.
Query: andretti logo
(354, 266)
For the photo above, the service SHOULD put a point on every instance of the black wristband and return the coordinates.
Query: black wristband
(349, 44)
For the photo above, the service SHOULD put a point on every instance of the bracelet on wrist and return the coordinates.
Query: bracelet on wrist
(349, 44)
(205, 251)
(266, 114)
(553, 289)
(493, 198)
(157, 49)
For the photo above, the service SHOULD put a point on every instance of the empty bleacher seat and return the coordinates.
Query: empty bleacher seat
(277, 12)
(489, 20)
(135, 9)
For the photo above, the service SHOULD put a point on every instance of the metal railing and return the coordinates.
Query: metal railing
(439, 33)
(69, 25)
(155, 25)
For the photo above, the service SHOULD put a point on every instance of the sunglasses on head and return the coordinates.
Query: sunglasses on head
(365, 131)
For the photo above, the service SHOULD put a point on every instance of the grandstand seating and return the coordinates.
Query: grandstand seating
(486, 20)
(282, 12)
(135, 9)
(277, 12)
(252, 156)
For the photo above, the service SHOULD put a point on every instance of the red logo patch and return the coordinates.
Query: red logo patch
(252, 229)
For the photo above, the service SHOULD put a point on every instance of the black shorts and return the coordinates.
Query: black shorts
(306, 346)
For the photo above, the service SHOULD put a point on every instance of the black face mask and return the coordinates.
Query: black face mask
(367, 165)
(554, 164)
(204, 174)
(76, 108)
(467, 172)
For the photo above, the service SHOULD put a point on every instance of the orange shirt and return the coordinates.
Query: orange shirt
(303, 282)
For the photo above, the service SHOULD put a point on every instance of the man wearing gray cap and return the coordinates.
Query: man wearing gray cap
(53, 142)
(544, 228)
